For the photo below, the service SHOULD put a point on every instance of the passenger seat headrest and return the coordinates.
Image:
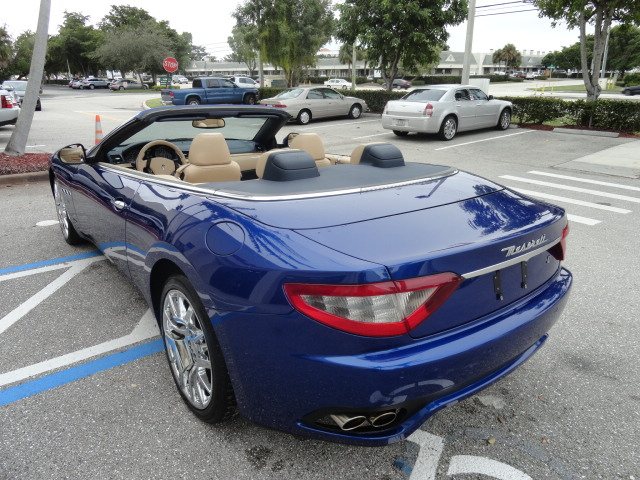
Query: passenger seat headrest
(209, 149)
(286, 165)
(382, 155)
(310, 143)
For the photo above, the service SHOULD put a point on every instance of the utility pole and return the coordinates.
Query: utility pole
(260, 70)
(353, 67)
(466, 62)
(18, 141)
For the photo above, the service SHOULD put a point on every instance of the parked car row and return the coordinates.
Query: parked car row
(9, 107)
(113, 84)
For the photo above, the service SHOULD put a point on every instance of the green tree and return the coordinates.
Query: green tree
(74, 46)
(135, 49)
(23, 49)
(624, 48)
(599, 14)
(408, 34)
(121, 16)
(6, 48)
(568, 58)
(509, 55)
(345, 54)
(243, 46)
(288, 32)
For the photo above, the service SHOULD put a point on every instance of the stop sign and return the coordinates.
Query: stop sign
(170, 64)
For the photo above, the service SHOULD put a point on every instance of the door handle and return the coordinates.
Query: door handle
(119, 204)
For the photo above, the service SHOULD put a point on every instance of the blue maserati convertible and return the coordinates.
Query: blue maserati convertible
(346, 299)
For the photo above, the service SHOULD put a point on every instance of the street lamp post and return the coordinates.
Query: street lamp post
(466, 62)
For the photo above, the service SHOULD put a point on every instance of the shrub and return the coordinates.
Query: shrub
(157, 88)
(616, 115)
(417, 83)
(631, 79)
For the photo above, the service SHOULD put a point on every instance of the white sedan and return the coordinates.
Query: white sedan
(446, 110)
(9, 109)
(338, 83)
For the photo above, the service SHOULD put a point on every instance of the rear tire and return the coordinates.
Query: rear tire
(121, 88)
(249, 99)
(304, 117)
(92, 86)
(504, 121)
(193, 101)
(191, 337)
(400, 133)
(449, 128)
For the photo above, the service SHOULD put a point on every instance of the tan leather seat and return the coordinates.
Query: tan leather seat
(312, 144)
(209, 161)
(356, 155)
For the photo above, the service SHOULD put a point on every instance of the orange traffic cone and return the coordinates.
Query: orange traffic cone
(99, 135)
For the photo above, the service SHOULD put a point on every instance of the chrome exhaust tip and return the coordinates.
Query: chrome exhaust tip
(348, 422)
(383, 419)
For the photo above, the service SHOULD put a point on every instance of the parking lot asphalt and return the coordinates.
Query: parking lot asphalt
(85, 392)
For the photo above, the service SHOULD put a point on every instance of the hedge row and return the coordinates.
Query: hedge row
(631, 79)
(615, 115)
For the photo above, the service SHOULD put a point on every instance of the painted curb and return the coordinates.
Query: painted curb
(23, 178)
(593, 133)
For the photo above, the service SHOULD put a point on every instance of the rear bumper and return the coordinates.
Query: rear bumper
(410, 124)
(281, 383)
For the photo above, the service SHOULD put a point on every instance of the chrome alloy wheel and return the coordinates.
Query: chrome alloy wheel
(187, 349)
(61, 209)
(450, 128)
(356, 111)
(505, 119)
(304, 117)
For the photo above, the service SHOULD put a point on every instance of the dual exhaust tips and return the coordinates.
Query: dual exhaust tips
(352, 422)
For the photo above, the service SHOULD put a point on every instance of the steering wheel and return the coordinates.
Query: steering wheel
(159, 165)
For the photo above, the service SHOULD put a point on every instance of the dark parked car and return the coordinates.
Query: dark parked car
(400, 83)
(631, 90)
(347, 303)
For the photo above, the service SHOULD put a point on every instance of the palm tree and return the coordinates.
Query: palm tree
(508, 54)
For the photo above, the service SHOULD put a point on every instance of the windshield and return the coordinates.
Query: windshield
(237, 128)
(291, 93)
(19, 85)
(424, 95)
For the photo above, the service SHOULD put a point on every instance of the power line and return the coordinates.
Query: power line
(504, 13)
(498, 4)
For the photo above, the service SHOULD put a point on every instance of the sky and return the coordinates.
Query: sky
(210, 26)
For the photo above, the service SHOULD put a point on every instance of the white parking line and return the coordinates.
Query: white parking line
(597, 193)
(146, 328)
(586, 180)
(558, 198)
(484, 140)
(32, 302)
(374, 135)
(584, 220)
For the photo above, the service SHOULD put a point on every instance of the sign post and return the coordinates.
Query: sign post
(170, 66)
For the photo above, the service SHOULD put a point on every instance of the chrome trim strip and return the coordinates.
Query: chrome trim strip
(512, 261)
(270, 198)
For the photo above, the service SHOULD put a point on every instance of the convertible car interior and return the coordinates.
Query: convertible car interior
(240, 150)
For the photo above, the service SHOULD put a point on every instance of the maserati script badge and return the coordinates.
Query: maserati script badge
(514, 249)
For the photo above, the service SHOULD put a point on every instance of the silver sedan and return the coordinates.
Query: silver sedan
(446, 110)
(305, 104)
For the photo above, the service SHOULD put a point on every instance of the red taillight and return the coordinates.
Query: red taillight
(428, 110)
(559, 250)
(279, 105)
(373, 309)
(5, 102)
(171, 94)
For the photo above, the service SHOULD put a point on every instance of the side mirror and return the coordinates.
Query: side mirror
(490, 97)
(73, 154)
